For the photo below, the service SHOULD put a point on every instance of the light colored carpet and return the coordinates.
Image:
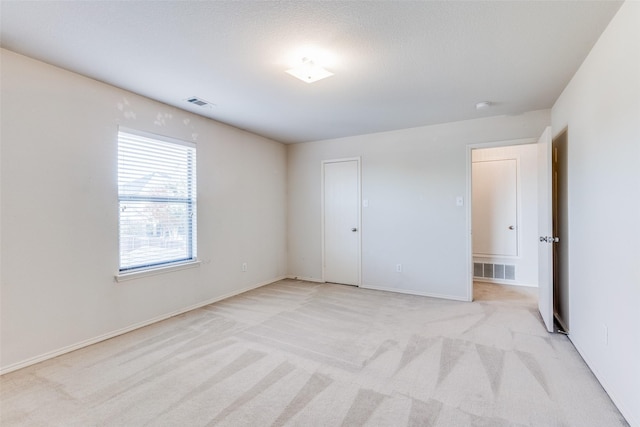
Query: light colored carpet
(304, 354)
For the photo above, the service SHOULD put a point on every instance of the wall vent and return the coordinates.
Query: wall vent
(494, 271)
(199, 102)
(510, 272)
(477, 269)
(488, 271)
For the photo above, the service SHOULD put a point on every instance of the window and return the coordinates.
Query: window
(157, 201)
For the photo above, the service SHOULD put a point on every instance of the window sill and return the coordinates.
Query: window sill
(123, 277)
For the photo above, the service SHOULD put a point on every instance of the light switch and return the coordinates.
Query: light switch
(459, 201)
(365, 203)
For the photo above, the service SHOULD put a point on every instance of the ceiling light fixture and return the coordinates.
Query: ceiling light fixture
(482, 105)
(309, 71)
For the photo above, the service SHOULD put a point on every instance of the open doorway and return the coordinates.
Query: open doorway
(504, 219)
(546, 241)
(560, 230)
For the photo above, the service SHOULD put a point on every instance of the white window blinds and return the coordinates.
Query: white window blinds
(157, 198)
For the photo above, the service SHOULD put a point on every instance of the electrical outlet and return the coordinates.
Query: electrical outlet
(398, 268)
(244, 266)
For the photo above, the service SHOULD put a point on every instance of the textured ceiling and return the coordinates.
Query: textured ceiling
(396, 64)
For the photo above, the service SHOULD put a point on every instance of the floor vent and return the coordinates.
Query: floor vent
(494, 271)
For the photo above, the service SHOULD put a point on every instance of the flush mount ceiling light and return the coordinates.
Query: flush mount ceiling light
(309, 72)
(483, 105)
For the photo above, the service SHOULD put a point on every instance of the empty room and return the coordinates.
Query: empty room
(320, 213)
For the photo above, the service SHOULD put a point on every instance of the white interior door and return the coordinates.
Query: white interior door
(495, 207)
(545, 230)
(342, 222)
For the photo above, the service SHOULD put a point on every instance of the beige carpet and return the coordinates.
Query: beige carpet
(303, 354)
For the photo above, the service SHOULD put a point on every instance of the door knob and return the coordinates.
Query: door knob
(354, 229)
(512, 227)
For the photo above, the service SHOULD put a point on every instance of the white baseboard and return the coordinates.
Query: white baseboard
(305, 279)
(504, 282)
(90, 341)
(385, 289)
(412, 292)
(624, 409)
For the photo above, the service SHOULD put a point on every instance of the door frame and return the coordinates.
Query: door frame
(359, 214)
(468, 195)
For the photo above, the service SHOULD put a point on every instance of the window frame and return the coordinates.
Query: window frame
(153, 267)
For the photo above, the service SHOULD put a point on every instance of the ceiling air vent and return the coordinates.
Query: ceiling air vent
(199, 102)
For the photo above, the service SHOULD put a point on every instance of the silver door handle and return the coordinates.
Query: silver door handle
(549, 239)
(354, 229)
(512, 227)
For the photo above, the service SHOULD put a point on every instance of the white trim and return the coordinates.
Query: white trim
(322, 163)
(322, 258)
(469, 213)
(468, 223)
(519, 196)
(417, 293)
(109, 335)
(504, 282)
(138, 274)
(150, 135)
(359, 225)
(505, 143)
(385, 289)
(510, 257)
(306, 279)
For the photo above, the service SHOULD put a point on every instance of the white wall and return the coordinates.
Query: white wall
(526, 263)
(60, 221)
(411, 179)
(601, 107)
